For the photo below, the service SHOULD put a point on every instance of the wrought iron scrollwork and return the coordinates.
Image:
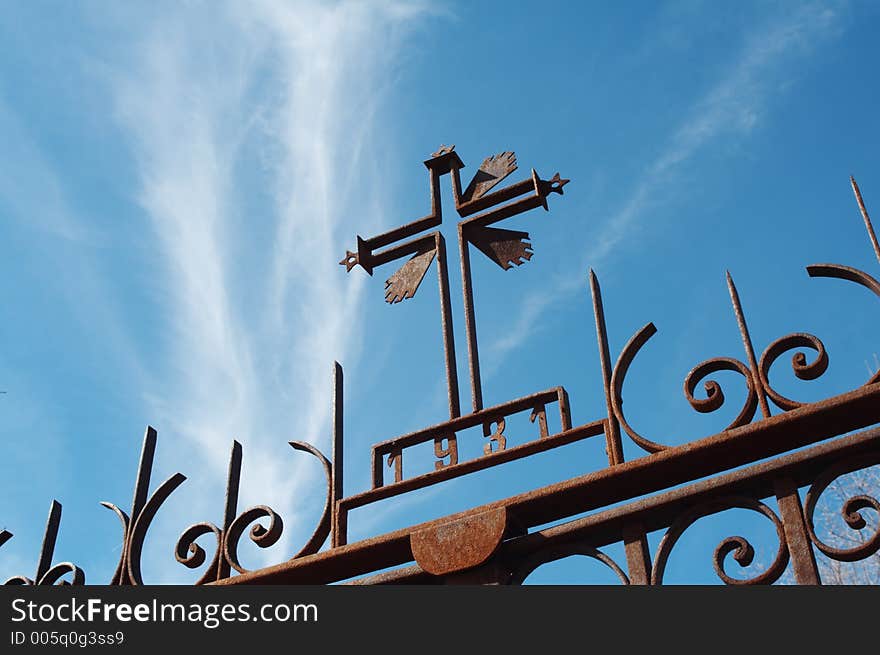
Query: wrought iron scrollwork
(851, 511)
(46, 573)
(627, 355)
(852, 275)
(845, 273)
(547, 555)
(802, 369)
(714, 395)
(849, 273)
(143, 511)
(482, 206)
(319, 536)
(742, 550)
(189, 553)
(756, 373)
(259, 534)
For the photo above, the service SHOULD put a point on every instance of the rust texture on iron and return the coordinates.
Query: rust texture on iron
(461, 544)
(143, 511)
(661, 511)
(535, 403)
(592, 491)
(507, 248)
(190, 554)
(47, 574)
(775, 459)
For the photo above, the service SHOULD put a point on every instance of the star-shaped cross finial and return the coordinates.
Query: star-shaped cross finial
(555, 184)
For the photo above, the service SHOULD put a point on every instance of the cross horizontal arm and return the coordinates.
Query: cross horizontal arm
(540, 190)
(419, 225)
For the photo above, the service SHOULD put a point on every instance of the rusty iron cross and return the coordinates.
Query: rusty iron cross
(507, 248)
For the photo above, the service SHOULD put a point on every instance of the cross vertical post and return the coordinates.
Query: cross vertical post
(507, 248)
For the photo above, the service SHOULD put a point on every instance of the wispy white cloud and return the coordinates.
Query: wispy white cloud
(732, 107)
(300, 83)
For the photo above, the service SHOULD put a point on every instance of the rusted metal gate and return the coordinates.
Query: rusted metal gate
(760, 455)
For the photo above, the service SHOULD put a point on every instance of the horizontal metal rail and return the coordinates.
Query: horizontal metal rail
(669, 468)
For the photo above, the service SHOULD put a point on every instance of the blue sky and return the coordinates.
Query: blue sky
(179, 180)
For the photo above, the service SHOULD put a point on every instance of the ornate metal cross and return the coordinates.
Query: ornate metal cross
(507, 248)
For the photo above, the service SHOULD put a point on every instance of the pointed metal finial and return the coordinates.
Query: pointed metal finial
(868, 225)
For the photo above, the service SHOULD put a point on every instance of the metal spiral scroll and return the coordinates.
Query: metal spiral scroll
(134, 531)
(802, 369)
(144, 507)
(46, 573)
(554, 553)
(714, 395)
(189, 553)
(53, 576)
(322, 530)
(851, 511)
(851, 275)
(259, 534)
(743, 551)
